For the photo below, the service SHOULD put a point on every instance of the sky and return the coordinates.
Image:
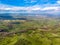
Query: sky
(48, 6)
(27, 2)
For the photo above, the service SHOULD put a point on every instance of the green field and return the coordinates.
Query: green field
(30, 32)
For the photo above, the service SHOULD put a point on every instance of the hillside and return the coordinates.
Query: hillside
(30, 32)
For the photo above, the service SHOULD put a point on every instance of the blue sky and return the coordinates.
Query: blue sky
(27, 2)
(29, 5)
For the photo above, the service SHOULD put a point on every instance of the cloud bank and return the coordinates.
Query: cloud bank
(46, 8)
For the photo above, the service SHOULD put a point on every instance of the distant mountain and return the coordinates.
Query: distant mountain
(24, 16)
(11, 16)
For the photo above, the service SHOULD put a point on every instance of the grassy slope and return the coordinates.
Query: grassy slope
(41, 32)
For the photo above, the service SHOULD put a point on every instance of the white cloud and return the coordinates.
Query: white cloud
(51, 8)
(30, 1)
(58, 2)
(15, 8)
(45, 9)
(33, 1)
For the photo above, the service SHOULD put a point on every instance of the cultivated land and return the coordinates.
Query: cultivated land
(30, 32)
